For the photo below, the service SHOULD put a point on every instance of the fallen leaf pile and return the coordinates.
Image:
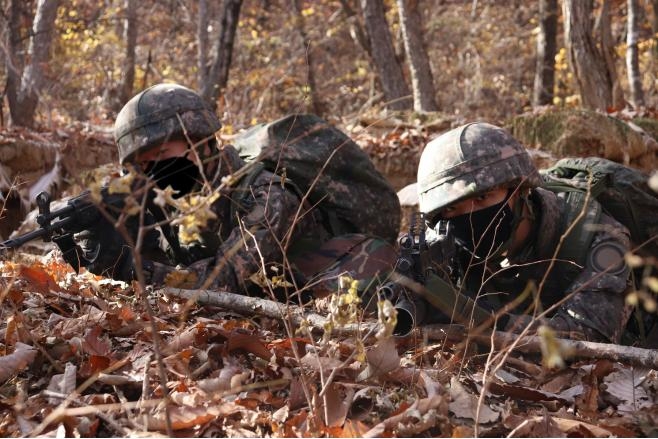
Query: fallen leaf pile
(81, 356)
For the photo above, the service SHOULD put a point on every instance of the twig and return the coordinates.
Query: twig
(114, 425)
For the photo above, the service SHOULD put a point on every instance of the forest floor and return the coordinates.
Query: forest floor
(86, 356)
(80, 359)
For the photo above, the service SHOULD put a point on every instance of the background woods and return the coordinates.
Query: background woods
(81, 59)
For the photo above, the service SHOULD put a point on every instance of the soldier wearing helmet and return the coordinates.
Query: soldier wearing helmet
(509, 230)
(167, 134)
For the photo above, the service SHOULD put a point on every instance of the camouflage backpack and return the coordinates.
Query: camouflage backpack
(333, 170)
(622, 192)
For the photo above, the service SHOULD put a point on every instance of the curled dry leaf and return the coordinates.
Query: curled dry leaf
(17, 361)
(223, 381)
(548, 426)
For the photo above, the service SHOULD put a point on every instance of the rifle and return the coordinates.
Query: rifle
(59, 226)
(422, 277)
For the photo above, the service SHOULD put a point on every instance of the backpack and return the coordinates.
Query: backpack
(333, 170)
(622, 192)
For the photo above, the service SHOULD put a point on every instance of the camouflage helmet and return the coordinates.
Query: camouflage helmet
(151, 118)
(470, 160)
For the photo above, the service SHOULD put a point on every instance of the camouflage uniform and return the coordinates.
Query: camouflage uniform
(254, 217)
(228, 256)
(596, 304)
(476, 158)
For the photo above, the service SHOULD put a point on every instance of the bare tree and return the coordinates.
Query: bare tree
(223, 51)
(546, 50)
(23, 88)
(422, 83)
(632, 58)
(316, 103)
(586, 61)
(396, 91)
(130, 36)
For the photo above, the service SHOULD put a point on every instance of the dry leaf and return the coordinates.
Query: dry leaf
(337, 404)
(380, 360)
(188, 417)
(538, 426)
(63, 383)
(464, 404)
(525, 393)
(95, 343)
(17, 361)
(625, 384)
(223, 382)
(39, 279)
(249, 343)
(328, 364)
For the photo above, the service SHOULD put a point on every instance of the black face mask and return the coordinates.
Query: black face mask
(483, 232)
(178, 172)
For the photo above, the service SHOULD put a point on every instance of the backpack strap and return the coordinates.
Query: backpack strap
(242, 189)
(576, 244)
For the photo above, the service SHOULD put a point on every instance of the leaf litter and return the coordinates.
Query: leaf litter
(77, 358)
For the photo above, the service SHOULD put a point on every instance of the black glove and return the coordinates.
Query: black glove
(105, 252)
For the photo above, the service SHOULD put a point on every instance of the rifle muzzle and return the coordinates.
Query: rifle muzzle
(411, 310)
(411, 313)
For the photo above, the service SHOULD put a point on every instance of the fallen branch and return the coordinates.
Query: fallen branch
(295, 314)
(502, 340)
(533, 344)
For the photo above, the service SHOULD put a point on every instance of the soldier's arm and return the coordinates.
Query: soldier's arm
(597, 304)
(264, 224)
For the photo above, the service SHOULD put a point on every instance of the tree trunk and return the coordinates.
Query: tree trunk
(419, 64)
(223, 50)
(546, 50)
(396, 91)
(202, 44)
(23, 99)
(14, 59)
(632, 58)
(356, 28)
(130, 35)
(654, 28)
(587, 63)
(316, 103)
(607, 45)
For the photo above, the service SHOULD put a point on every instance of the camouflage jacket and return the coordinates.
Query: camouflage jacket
(248, 236)
(593, 296)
